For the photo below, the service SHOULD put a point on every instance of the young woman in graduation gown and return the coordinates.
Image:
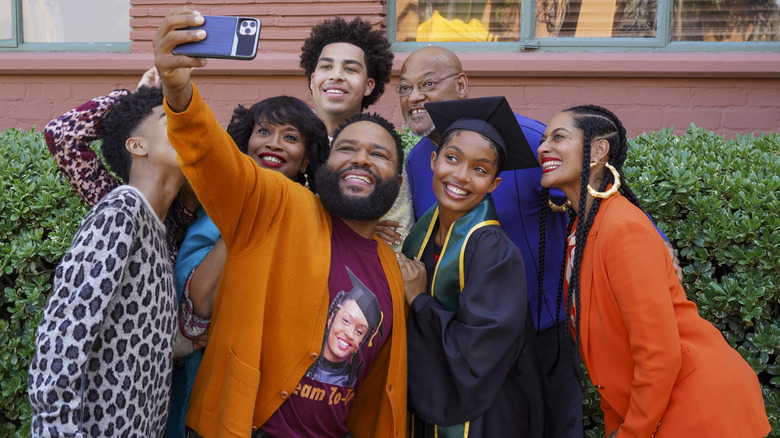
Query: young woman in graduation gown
(473, 365)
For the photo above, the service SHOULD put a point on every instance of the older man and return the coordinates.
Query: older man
(433, 74)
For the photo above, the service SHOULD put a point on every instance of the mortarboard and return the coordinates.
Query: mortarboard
(491, 117)
(367, 302)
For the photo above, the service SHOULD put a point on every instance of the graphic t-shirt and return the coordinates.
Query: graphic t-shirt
(358, 324)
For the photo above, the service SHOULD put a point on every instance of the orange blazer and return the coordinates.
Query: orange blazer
(660, 368)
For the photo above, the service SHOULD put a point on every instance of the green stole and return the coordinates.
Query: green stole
(448, 276)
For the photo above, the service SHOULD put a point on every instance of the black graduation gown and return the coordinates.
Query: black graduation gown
(479, 363)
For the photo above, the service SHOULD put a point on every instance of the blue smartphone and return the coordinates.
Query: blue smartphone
(226, 37)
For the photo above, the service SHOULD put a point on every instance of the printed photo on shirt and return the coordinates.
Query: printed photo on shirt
(354, 318)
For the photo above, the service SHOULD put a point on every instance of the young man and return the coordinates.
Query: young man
(289, 255)
(347, 65)
(105, 341)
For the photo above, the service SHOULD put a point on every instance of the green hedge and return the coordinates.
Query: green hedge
(39, 213)
(717, 201)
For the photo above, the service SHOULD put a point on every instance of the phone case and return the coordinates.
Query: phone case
(226, 37)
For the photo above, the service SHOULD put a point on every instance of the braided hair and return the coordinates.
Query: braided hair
(354, 362)
(596, 123)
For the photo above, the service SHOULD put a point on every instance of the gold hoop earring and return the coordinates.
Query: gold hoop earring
(558, 208)
(615, 185)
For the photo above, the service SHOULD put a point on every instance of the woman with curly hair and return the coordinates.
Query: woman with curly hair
(281, 134)
(660, 368)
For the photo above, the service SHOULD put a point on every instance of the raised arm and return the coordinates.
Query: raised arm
(69, 137)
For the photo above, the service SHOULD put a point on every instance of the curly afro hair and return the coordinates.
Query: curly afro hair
(358, 32)
(381, 121)
(120, 123)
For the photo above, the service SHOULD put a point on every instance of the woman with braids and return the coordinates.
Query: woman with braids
(660, 368)
(354, 317)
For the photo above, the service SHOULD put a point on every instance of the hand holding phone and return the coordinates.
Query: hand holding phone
(226, 37)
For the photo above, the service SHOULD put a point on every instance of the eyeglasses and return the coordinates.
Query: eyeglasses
(424, 86)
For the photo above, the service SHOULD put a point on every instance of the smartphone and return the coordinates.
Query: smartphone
(226, 37)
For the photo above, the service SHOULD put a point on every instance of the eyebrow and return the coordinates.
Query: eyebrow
(355, 141)
(486, 160)
(423, 76)
(346, 61)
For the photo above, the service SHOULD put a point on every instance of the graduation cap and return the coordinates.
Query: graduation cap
(367, 302)
(491, 117)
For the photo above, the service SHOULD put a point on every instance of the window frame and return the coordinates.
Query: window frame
(17, 44)
(529, 42)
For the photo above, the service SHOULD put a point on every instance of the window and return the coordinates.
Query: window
(65, 25)
(572, 24)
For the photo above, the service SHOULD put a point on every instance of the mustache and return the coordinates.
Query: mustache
(361, 168)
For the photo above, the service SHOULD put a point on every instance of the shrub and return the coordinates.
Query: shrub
(716, 200)
(39, 213)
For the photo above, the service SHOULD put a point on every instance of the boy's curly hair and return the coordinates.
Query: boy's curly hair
(358, 32)
(119, 124)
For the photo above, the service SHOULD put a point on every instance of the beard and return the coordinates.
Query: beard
(358, 208)
(419, 133)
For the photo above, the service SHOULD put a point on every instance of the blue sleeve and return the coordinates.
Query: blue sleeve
(200, 238)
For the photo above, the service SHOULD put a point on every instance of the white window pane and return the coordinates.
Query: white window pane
(76, 21)
(5, 20)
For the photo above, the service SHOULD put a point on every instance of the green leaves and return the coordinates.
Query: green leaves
(39, 213)
(717, 201)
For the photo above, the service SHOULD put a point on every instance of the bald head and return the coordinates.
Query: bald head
(423, 66)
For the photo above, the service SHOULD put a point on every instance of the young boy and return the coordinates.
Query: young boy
(473, 368)
(105, 341)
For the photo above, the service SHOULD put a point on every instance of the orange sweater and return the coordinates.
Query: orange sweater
(269, 317)
(648, 352)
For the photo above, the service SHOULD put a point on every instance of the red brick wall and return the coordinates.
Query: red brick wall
(285, 24)
(730, 93)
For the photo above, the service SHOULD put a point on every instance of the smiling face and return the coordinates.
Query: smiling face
(427, 64)
(363, 154)
(340, 80)
(278, 147)
(348, 329)
(560, 155)
(464, 170)
(360, 180)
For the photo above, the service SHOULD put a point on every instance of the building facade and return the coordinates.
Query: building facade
(656, 63)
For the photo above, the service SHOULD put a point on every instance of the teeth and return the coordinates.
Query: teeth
(334, 92)
(418, 111)
(551, 164)
(457, 190)
(344, 345)
(357, 178)
(272, 159)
